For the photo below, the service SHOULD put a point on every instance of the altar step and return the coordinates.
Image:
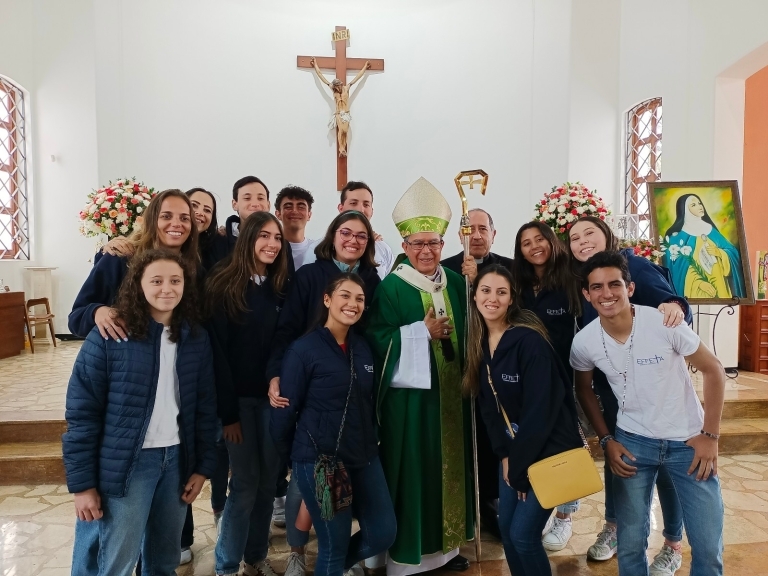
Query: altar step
(30, 452)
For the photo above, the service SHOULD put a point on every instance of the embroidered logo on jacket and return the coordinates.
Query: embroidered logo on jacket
(510, 378)
(368, 368)
(556, 311)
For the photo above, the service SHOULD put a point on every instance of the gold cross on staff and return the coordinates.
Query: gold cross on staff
(342, 65)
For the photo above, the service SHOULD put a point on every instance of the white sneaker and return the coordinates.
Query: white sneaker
(557, 537)
(278, 512)
(356, 570)
(666, 562)
(186, 556)
(296, 565)
(604, 547)
(263, 568)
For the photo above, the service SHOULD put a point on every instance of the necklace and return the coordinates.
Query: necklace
(626, 364)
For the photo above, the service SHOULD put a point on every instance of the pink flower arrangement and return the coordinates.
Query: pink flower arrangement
(565, 204)
(116, 209)
(644, 248)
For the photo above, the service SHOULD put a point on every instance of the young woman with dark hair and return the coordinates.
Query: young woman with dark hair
(545, 285)
(589, 236)
(328, 381)
(243, 298)
(513, 368)
(135, 465)
(347, 247)
(167, 225)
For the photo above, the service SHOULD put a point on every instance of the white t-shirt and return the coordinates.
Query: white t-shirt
(660, 400)
(163, 429)
(303, 252)
(384, 258)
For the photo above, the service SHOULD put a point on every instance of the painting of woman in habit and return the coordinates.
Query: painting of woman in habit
(341, 117)
(711, 266)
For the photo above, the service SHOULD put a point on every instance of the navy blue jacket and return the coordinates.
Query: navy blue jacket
(315, 379)
(213, 250)
(110, 398)
(552, 308)
(241, 349)
(454, 262)
(304, 303)
(537, 395)
(100, 289)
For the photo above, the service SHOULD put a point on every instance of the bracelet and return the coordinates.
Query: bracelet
(710, 435)
(605, 439)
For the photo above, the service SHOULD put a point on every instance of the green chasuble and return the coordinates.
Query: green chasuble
(425, 435)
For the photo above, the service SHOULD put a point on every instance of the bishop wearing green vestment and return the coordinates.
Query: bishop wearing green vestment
(416, 330)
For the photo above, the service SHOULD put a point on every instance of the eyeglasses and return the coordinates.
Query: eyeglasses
(419, 245)
(347, 235)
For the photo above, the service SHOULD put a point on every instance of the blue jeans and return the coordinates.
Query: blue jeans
(569, 507)
(521, 523)
(295, 537)
(701, 501)
(244, 526)
(671, 511)
(148, 518)
(371, 505)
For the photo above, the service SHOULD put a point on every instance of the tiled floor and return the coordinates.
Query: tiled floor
(36, 522)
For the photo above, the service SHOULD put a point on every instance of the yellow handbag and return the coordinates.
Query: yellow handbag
(561, 478)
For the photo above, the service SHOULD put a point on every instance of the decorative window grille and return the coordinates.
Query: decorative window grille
(643, 163)
(14, 222)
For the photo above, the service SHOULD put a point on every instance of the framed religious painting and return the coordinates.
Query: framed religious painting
(700, 230)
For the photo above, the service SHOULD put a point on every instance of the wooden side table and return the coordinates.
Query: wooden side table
(753, 337)
(12, 321)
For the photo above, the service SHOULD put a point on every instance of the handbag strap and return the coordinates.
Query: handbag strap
(499, 407)
(583, 438)
(352, 378)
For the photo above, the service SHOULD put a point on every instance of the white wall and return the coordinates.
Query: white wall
(466, 85)
(186, 93)
(595, 151)
(49, 51)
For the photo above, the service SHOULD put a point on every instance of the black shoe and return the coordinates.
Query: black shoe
(457, 564)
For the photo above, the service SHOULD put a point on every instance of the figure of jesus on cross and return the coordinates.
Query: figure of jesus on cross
(340, 119)
(340, 89)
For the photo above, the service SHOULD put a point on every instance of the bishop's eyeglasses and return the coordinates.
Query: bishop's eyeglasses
(419, 245)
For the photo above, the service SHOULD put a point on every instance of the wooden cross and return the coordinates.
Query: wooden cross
(342, 65)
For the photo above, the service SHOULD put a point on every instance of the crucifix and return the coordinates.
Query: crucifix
(341, 117)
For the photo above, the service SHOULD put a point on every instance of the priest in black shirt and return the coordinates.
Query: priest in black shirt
(480, 244)
(481, 241)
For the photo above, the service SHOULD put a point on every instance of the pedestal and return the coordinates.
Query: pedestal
(38, 285)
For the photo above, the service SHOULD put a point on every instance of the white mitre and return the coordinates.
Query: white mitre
(421, 209)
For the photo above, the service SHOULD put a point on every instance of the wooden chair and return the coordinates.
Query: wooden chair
(35, 319)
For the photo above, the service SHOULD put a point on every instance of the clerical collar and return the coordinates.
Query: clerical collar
(434, 277)
(346, 267)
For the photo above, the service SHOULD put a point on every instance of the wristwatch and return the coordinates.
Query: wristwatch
(605, 439)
